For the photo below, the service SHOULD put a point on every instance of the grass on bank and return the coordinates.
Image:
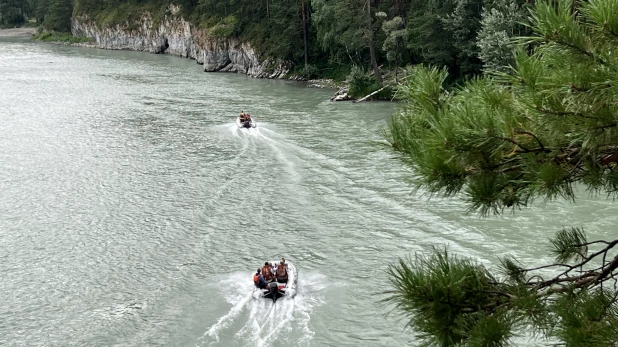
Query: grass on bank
(60, 37)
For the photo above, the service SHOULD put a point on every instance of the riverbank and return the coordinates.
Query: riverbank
(17, 32)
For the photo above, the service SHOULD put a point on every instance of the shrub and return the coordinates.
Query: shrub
(361, 82)
(309, 71)
(224, 28)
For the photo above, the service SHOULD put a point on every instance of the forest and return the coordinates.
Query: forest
(507, 102)
(324, 38)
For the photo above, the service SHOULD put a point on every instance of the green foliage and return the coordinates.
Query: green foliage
(338, 33)
(225, 28)
(504, 140)
(442, 297)
(58, 16)
(341, 30)
(41, 8)
(334, 72)
(395, 37)
(13, 13)
(463, 24)
(570, 245)
(499, 25)
(450, 301)
(361, 82)
(533, 133)
(588, 318)
(428, 37)
(310, 71)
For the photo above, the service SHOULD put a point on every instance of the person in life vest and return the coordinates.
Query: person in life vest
(282, 271)
(258, 280)
(242, 116)
(267, 272)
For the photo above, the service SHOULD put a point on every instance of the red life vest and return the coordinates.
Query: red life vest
(266, 272)
(255, 279)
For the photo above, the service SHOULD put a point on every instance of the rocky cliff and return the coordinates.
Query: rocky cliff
(175, 36)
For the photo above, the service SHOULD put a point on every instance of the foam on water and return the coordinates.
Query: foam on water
(255, 321)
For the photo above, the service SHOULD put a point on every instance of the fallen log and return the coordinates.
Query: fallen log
(341, 91)
(370, 95)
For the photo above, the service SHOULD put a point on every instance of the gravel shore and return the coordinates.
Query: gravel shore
(17, 32)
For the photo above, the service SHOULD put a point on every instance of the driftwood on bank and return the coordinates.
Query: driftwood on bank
(370, 95)
(341, 95)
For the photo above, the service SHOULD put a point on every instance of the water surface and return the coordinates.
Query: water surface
(133, 211)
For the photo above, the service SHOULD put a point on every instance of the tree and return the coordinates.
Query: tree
(13, 12)
(42, 6)
(428, 39)
(443, 33)
(305, 14)
(346, 30)
(394, 42)
(504, 140)
(500, 24)
(59, 16)
(463, 24)
(370, 42)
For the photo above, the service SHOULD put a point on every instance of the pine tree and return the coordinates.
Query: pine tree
(500, 24)
(346, 29)
(394, 43)
(59, 16)
(463, 24)
(502, 141)
(13, 12)
(428, 38)
(443, 33)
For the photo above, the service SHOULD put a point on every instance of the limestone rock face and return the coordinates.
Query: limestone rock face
(235, 56)
(176, 36)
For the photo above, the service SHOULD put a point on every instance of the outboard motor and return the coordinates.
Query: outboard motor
(247, 124)
(273, 291)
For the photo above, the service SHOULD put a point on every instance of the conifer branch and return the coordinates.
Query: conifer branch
(607, 126)
(580, 50)
(547, 266)
(507, 139)
(608, 270)
(564, 134)
(588, 277)
(562, 113)
(534, 136)
(592, 243)
(508, 161)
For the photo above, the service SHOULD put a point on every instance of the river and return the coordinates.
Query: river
(134, 212)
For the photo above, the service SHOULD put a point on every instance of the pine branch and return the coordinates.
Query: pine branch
(586, 279)
(561, 113)
(607, 126)
(608, 270)
(507, 139)
(508, 169)
(508, 161)
(592, 243)
(579, 49)
(547, 266)
(535, 137)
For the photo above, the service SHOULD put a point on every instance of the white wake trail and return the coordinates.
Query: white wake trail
(260, 322)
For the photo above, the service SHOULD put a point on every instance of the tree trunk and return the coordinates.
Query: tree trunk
(368, 96)
(372, 52)
(305, 33)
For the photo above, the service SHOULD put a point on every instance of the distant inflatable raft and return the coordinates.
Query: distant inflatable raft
(245, 124)
(276, 290)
